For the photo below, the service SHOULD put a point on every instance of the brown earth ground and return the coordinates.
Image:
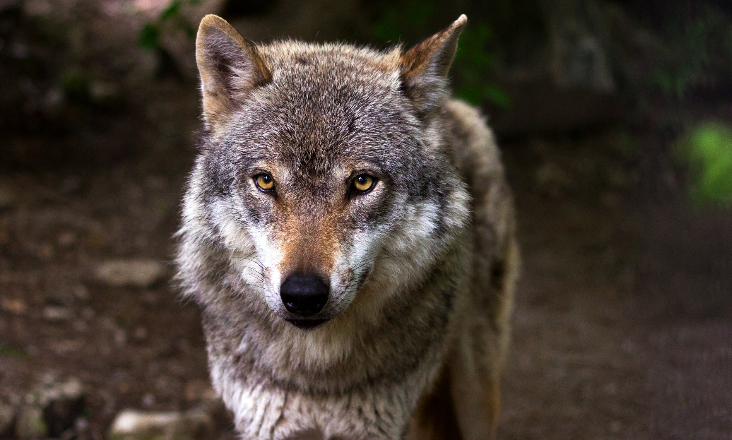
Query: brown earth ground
(623, 320)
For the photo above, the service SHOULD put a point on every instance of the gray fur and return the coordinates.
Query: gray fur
(433, 279)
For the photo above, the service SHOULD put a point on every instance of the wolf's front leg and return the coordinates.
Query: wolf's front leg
(475, 392)
(464, 402)
(435, 417)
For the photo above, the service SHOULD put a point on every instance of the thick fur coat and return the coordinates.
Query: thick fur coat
(352, 169)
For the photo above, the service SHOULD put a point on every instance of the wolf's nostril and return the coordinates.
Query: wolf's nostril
(304, 294)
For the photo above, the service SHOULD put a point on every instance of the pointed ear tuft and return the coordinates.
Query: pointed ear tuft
(425, 66)
(230, 67)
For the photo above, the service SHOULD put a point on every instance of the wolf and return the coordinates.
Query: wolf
(349, 236)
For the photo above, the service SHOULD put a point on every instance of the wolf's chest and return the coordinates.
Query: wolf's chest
(265, 411)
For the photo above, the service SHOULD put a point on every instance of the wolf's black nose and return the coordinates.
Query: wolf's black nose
(304, 294)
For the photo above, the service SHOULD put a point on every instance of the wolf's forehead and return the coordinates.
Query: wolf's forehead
(307, 115)
(346, 59)
(330, 89)
(332, 69)
(323, 105)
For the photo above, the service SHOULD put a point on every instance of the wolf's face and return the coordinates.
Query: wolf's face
(321, 176)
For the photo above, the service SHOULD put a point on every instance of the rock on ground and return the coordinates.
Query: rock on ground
(140, 425)
(49, 410)
(62, 404)
(131, 273)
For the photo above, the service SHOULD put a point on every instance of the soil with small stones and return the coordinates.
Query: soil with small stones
(622, 327)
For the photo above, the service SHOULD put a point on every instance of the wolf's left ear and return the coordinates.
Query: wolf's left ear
(424, 67)
(230, 67)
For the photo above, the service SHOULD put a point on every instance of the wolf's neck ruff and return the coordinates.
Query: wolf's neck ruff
(329, 237)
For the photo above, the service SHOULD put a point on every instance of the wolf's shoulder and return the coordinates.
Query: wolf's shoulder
(471, 143)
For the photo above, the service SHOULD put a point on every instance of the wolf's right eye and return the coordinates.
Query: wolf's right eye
(264, 182)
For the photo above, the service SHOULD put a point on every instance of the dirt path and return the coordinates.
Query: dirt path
(622, 327)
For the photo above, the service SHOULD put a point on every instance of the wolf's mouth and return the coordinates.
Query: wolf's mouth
(306, 324)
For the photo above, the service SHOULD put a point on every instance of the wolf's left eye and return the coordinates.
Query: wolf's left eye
(363, 183)
(264, 182)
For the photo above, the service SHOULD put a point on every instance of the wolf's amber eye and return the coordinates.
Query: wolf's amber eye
(363, 183)
(264, 182)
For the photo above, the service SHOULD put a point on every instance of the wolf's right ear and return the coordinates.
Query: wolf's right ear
(424, 67)
(230, 67)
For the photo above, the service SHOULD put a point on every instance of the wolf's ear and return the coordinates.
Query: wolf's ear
(424, 67)
(230, 67)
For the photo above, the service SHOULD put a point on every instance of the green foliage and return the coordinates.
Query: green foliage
(149, 36)
(682, 67)
(151, 32)
(696, 50)
(474, 62)
(707, 149)
(408, 17)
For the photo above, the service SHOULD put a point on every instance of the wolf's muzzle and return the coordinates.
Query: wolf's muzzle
(304, 294)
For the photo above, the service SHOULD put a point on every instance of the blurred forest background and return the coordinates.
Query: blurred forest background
(614, 121)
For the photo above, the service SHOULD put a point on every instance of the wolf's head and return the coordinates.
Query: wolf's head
(323, 177)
